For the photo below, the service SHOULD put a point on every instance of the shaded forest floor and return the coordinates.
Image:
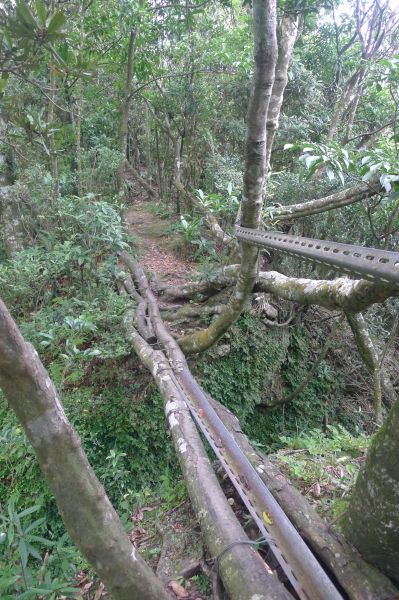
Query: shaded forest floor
(160, 249)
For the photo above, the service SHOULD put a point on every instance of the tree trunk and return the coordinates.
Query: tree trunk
(124, 119)
(351, 89)
(88, 515)
(370, 357)
(12, 232)
(244, 574)
(372, 522)
(52, 148)
(265, 50)
(287, 36)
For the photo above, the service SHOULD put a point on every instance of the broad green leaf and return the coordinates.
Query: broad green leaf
(25, 15)
(41, 11)
(34, 525)
(330, 174)
(23, 551)
(29, 511)
(33, 552)
(312, 160)
(56, 23)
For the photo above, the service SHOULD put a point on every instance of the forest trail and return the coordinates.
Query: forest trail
(161, 252)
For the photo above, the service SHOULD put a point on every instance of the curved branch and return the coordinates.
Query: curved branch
(265, 49)
(332, 202)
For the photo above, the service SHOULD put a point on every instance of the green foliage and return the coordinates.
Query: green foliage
(223, 205)
(334, 158)
(173, 491)
(78, 255)
(26, 33)
(203, 582)
(33, 565)
(99, 169)
(324, 465)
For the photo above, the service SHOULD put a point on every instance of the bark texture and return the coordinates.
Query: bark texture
(243, 572)
(88, 515)
(353, 295)
(265, 51)
(370, 357)
(124, 122)
(372, 522)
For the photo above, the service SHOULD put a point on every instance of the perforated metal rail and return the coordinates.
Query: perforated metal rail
(368, 263)
(307, 576)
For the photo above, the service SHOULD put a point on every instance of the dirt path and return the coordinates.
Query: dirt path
(159, 251)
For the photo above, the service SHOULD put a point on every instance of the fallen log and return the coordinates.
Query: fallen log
(244, 574)
(359, 579)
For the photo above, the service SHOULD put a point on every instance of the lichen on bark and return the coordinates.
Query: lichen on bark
(372, 521)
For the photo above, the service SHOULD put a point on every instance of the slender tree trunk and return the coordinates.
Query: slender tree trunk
(124, 119)
(372, 522)
(351, 115)
(50, 120)
(286, 37)
(351, 88)
(265, 51)
(88, 515)
(77, 109)
(370, 357)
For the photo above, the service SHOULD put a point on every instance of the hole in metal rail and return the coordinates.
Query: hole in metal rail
(357, 254)
(335, 250)
(326, 248)
(369, 257)
(384, 260)
(396, 264)
(346, 252)
(318, 247)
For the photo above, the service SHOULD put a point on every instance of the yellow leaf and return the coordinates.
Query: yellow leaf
(267, 518)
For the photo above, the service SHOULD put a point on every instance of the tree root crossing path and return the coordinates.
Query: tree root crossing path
(316, 565)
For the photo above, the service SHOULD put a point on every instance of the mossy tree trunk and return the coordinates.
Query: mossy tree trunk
(372, 522)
